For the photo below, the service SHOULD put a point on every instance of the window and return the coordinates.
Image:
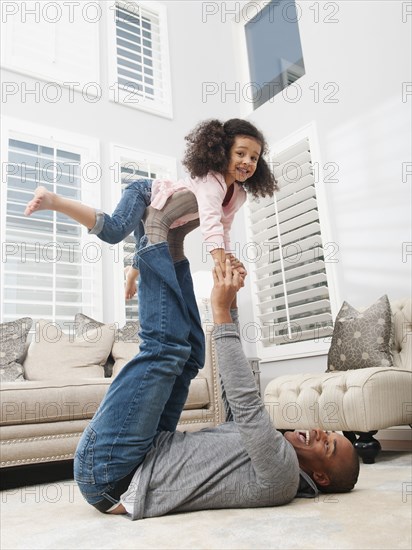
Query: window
(291, 279)
(49, 267)
(273, 49)
(139, 71)
(131, 165)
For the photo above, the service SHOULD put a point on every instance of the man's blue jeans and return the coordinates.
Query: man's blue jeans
(127, 216)
(149, 393)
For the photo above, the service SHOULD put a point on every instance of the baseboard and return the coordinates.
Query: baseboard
(396, 445)
(398, 438)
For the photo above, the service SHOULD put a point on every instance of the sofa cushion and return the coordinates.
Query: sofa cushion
(125, 346)
(55, 355)
(361, 339)
(13, 336)
(198, 397)
(83, 322)
(54, 401)
(354, 400)
(69, 400)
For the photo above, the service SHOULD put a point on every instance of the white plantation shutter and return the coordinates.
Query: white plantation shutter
(130, 173)
(132, 167)
(142, 65)
(292, 294)
(48, 269)
(57, 41)
(138, 44)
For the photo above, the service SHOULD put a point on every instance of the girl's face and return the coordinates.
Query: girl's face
(243, 157)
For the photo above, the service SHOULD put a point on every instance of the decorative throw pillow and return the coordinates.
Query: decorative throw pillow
(362, 339)
(83, 323)
(125, 346)
(55, 355)
(129, 333)
(13, 336)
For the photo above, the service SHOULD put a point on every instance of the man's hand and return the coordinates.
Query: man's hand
(237, 264)
(218, 254)
(224, 292)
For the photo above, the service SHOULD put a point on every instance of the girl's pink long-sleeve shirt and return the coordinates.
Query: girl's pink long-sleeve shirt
(210, 191)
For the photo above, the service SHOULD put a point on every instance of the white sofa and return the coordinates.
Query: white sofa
(360, 401)
(43, 419)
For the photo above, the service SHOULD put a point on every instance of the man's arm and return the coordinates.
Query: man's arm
(266, 447)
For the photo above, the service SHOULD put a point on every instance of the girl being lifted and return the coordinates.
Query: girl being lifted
(224, 161)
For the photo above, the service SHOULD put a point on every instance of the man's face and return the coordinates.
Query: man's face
(320, 453)
(244, 155)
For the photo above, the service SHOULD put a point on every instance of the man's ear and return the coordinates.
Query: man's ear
(321, 478)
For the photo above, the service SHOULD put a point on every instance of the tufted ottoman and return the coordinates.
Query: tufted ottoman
(360, 401)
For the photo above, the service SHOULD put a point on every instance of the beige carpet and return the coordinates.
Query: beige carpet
(376, 515)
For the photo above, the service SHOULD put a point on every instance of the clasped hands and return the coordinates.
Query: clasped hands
(225, 287)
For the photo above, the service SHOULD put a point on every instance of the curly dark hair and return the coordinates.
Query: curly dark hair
(208, 148)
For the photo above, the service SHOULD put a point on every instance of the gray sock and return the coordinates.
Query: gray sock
(176, 237)
(158, 222)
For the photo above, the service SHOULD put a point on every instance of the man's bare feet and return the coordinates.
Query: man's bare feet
(42, 200)
(130, 288)
(119, 510)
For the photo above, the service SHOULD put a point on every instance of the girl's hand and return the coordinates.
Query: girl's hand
(130, 287)
(237, 265)
(220, 255)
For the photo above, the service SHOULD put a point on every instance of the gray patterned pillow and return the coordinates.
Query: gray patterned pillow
(13, 336)
(129, 333)
(82, 321)
(362, 339)
(125, 345)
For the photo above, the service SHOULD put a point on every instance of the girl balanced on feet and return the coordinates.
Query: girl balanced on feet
(225, 162)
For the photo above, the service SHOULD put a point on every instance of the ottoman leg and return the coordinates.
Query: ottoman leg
(351, 436)
(367, 446)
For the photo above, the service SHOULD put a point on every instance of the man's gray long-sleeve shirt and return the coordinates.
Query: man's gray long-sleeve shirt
(246, 463)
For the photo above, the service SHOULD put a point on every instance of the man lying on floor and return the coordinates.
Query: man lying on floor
(131, 460)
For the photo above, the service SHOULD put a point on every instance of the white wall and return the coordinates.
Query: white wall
(367, 134)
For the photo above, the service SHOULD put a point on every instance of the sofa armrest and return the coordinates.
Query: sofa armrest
(212, 413)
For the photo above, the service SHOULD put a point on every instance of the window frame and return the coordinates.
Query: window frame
(305, 348)
(123, 97)
(88, 148)
(239, 21)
